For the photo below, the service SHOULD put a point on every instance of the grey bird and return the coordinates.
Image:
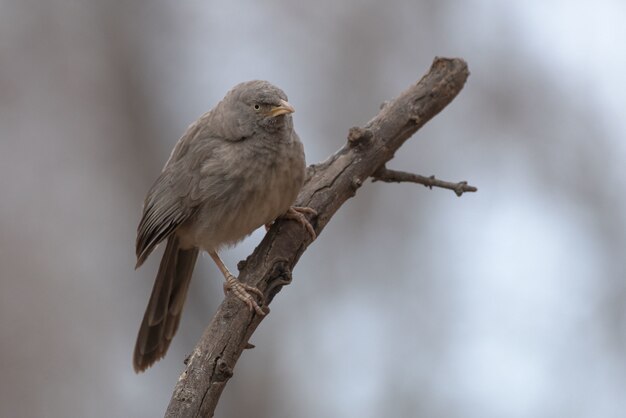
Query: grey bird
(238, 167)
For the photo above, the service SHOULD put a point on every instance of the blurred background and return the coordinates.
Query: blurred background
(509, 302)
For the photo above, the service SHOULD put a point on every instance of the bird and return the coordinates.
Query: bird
(238, 167)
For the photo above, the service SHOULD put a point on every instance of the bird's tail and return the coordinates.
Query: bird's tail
(164, 310)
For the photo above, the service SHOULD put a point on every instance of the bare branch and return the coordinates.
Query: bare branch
(328, 186)
(393, 176)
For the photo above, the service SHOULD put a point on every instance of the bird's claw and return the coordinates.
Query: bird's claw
(297, 213)
(243, 292)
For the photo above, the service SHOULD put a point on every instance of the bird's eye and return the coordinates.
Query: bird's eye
(257, 106)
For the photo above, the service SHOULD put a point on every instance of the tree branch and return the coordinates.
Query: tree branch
(329, 184)
(393, 176)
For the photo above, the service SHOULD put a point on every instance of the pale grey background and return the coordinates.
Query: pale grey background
(506, 303)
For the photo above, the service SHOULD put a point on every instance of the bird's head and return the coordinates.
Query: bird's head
(255, 106)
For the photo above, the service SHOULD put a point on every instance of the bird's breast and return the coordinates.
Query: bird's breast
(266, 182)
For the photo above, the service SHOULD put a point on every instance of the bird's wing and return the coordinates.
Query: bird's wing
(165, 208)
(172, 199)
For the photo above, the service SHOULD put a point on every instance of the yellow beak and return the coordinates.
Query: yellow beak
(282, 109)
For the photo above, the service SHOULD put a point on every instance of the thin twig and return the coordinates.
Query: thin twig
(394, 176)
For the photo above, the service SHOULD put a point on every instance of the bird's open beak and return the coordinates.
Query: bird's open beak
(283, 109)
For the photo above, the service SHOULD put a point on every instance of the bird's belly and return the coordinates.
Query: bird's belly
(262, 208)
(258, 202)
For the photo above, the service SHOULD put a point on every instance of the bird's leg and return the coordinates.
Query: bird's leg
(297, 213)
(241, 290)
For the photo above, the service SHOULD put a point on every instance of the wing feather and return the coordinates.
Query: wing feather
(177, 193)
(167, 205)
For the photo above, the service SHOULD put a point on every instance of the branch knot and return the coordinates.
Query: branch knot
(359, 136)
(223, 371)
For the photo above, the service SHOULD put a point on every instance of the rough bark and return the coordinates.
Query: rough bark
(329, 184)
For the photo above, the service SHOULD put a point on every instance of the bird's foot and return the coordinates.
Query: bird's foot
(244, 293)
(298, 214)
